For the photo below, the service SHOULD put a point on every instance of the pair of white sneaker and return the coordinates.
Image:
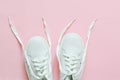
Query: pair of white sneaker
(71, 54)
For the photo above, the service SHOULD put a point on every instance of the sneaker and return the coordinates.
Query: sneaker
(37, 55)
(71, 54)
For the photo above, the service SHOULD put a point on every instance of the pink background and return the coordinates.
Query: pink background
(104, 47)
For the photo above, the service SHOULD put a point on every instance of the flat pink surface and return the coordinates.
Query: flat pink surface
(103, 58)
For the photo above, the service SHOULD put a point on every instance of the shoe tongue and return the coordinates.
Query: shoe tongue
(44, 78)
(69, 77)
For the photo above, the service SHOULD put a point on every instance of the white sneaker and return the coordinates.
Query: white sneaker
(37, 56)
(71, 54)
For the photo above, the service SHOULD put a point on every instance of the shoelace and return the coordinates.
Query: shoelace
(40, 67)
(86, 45)
(71, 63)
(21, 43)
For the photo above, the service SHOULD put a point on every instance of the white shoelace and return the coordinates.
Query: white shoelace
(40, 67)
(73, 60)
(71, 63)
(35, 63)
